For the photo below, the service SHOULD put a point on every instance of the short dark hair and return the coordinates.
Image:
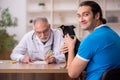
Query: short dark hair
(95, 9)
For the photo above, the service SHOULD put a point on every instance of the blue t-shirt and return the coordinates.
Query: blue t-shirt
(101, 49)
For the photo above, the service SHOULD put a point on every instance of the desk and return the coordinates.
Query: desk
(20, 71)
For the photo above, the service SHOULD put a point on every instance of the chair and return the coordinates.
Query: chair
(111, 74)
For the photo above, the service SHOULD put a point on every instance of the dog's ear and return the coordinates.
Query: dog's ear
(72, 26)
(62, 27)
(31, 21)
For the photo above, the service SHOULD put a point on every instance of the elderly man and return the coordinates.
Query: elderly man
(42, 43)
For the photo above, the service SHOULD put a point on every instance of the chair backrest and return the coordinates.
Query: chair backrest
(111, 74)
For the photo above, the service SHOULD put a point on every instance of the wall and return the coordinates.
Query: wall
(17, 9)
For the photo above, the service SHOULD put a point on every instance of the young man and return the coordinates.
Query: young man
(42, 43)
(99, 51)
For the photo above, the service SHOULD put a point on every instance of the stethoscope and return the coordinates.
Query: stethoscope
(52, 45)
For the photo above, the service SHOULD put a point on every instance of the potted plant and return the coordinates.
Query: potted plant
(7, 42)
(41, 4)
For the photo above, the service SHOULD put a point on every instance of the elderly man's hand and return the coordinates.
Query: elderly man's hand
(50, 59)
(26, 59)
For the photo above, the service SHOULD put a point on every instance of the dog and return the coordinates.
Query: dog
(69, 29)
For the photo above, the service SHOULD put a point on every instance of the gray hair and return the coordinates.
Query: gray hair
(40, 19)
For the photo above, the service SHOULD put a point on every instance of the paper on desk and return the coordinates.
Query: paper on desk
(39, 62)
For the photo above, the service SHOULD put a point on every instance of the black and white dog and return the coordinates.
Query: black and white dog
(69, 29)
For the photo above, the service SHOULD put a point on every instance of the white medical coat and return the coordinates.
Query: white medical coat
(33, 47)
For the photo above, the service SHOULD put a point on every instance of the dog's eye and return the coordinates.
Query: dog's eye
(65, 32)
(72, 36)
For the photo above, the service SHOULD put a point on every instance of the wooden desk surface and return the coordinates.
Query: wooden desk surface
(6, 67)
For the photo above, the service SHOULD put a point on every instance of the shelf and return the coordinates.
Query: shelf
(113, 10)
(65, 4)
(113, 24)
(113, 5)
(66, 11)
(60, 12)
(38, 11)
